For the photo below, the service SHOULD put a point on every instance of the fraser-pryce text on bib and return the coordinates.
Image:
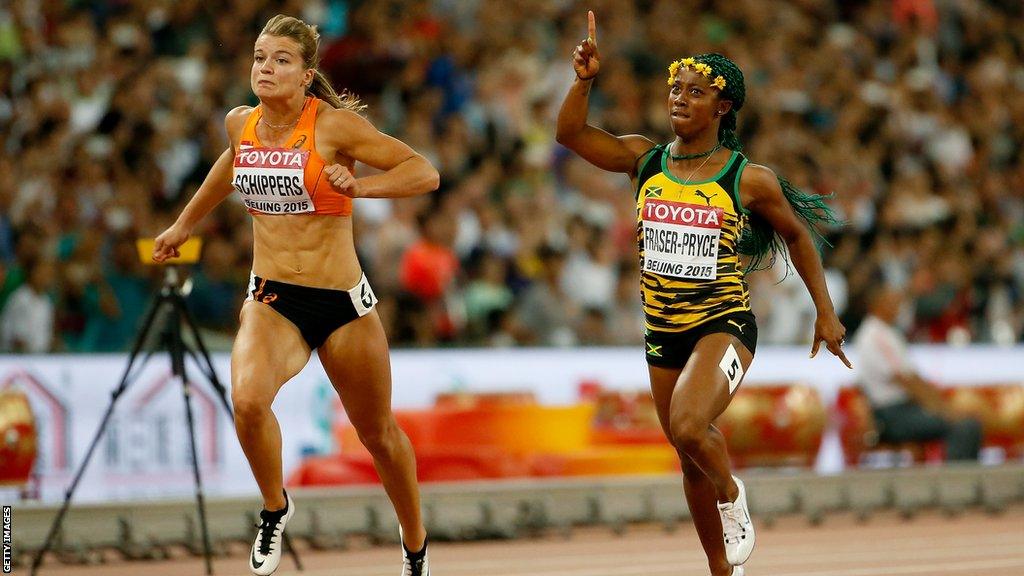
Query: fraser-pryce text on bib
(681, 239)
(271, 180)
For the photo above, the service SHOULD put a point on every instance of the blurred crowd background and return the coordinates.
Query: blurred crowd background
(909, 111)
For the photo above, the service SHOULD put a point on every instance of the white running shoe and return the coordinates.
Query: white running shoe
(737, 529)
(266, 550)
(414, 564)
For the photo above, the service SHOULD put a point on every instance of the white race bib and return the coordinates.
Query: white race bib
(732, 367)
(272, 180)
(681, 239)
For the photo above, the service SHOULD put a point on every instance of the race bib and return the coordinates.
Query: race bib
(681, 239)
(272, 180)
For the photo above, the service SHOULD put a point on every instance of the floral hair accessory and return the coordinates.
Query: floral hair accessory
(673, 69)
(698, 67)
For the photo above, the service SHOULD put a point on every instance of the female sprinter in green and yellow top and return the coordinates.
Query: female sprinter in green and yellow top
(700, 205)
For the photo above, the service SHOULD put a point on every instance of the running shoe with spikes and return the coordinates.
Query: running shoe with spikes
(267, 549)
(737, 529)
(414, 563)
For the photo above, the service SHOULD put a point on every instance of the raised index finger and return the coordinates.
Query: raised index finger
(591, 26)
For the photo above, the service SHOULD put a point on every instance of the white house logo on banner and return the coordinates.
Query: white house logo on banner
(52, 415)
(149, 432)
(148, 455)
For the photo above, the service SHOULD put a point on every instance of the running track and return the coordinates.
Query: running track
(973, 544)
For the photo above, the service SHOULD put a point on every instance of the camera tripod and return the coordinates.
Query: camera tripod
(172, 299)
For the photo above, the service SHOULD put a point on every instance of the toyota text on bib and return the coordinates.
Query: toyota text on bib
(681, 239)
(271, 180)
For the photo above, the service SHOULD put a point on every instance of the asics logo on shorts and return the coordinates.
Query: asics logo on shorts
(260, 296)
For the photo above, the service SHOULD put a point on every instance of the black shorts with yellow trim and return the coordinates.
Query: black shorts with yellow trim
(673, 349)
(316, 312)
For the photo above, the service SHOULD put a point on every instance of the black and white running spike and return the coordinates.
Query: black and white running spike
(414, 563)
(737, 528)
(267, 549)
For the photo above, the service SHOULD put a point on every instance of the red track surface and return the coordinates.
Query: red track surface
(931, 544)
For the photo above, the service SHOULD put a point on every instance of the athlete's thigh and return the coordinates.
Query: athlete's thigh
(663, 384)
(356, 360)
(712, 375)
(268, 351)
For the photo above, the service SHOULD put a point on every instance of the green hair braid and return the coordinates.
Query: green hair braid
(764, 245)
(759, 239)
(735, 91)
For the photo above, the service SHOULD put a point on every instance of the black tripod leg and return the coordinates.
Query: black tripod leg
(177, 348)
(140, 339)
(291, 548)
(211, 373)
(211, 376)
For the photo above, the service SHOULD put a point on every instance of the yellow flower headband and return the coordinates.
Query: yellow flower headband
(698, 67)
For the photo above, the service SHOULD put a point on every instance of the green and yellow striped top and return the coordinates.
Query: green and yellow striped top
(687, 234)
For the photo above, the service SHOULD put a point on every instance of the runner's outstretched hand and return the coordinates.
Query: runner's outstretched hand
(586, 60)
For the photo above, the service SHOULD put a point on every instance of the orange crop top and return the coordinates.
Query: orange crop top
(289, 179)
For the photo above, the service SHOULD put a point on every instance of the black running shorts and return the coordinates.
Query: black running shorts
(316, 312)
(673, 349)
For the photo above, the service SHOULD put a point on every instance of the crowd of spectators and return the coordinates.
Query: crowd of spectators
(908, 111)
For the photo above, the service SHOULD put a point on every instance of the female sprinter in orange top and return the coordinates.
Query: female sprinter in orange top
(699, 206)
(291, 159)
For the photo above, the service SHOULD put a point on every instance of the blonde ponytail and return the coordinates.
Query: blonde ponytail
(322, 89)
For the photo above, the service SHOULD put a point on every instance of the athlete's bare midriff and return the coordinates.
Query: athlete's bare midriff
(307, 250)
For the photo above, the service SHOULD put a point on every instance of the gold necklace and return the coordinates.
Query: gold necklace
(694, 156)
(279, 126)
(686, 181)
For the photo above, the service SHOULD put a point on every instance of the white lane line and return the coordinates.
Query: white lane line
(647, 565)
(765, 555)
(512, 568)
(945, 553)
(941, 568)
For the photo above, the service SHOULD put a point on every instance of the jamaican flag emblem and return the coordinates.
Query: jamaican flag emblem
(652, 192)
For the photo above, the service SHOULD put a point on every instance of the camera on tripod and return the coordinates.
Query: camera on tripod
(188, 252)
(164, 318)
